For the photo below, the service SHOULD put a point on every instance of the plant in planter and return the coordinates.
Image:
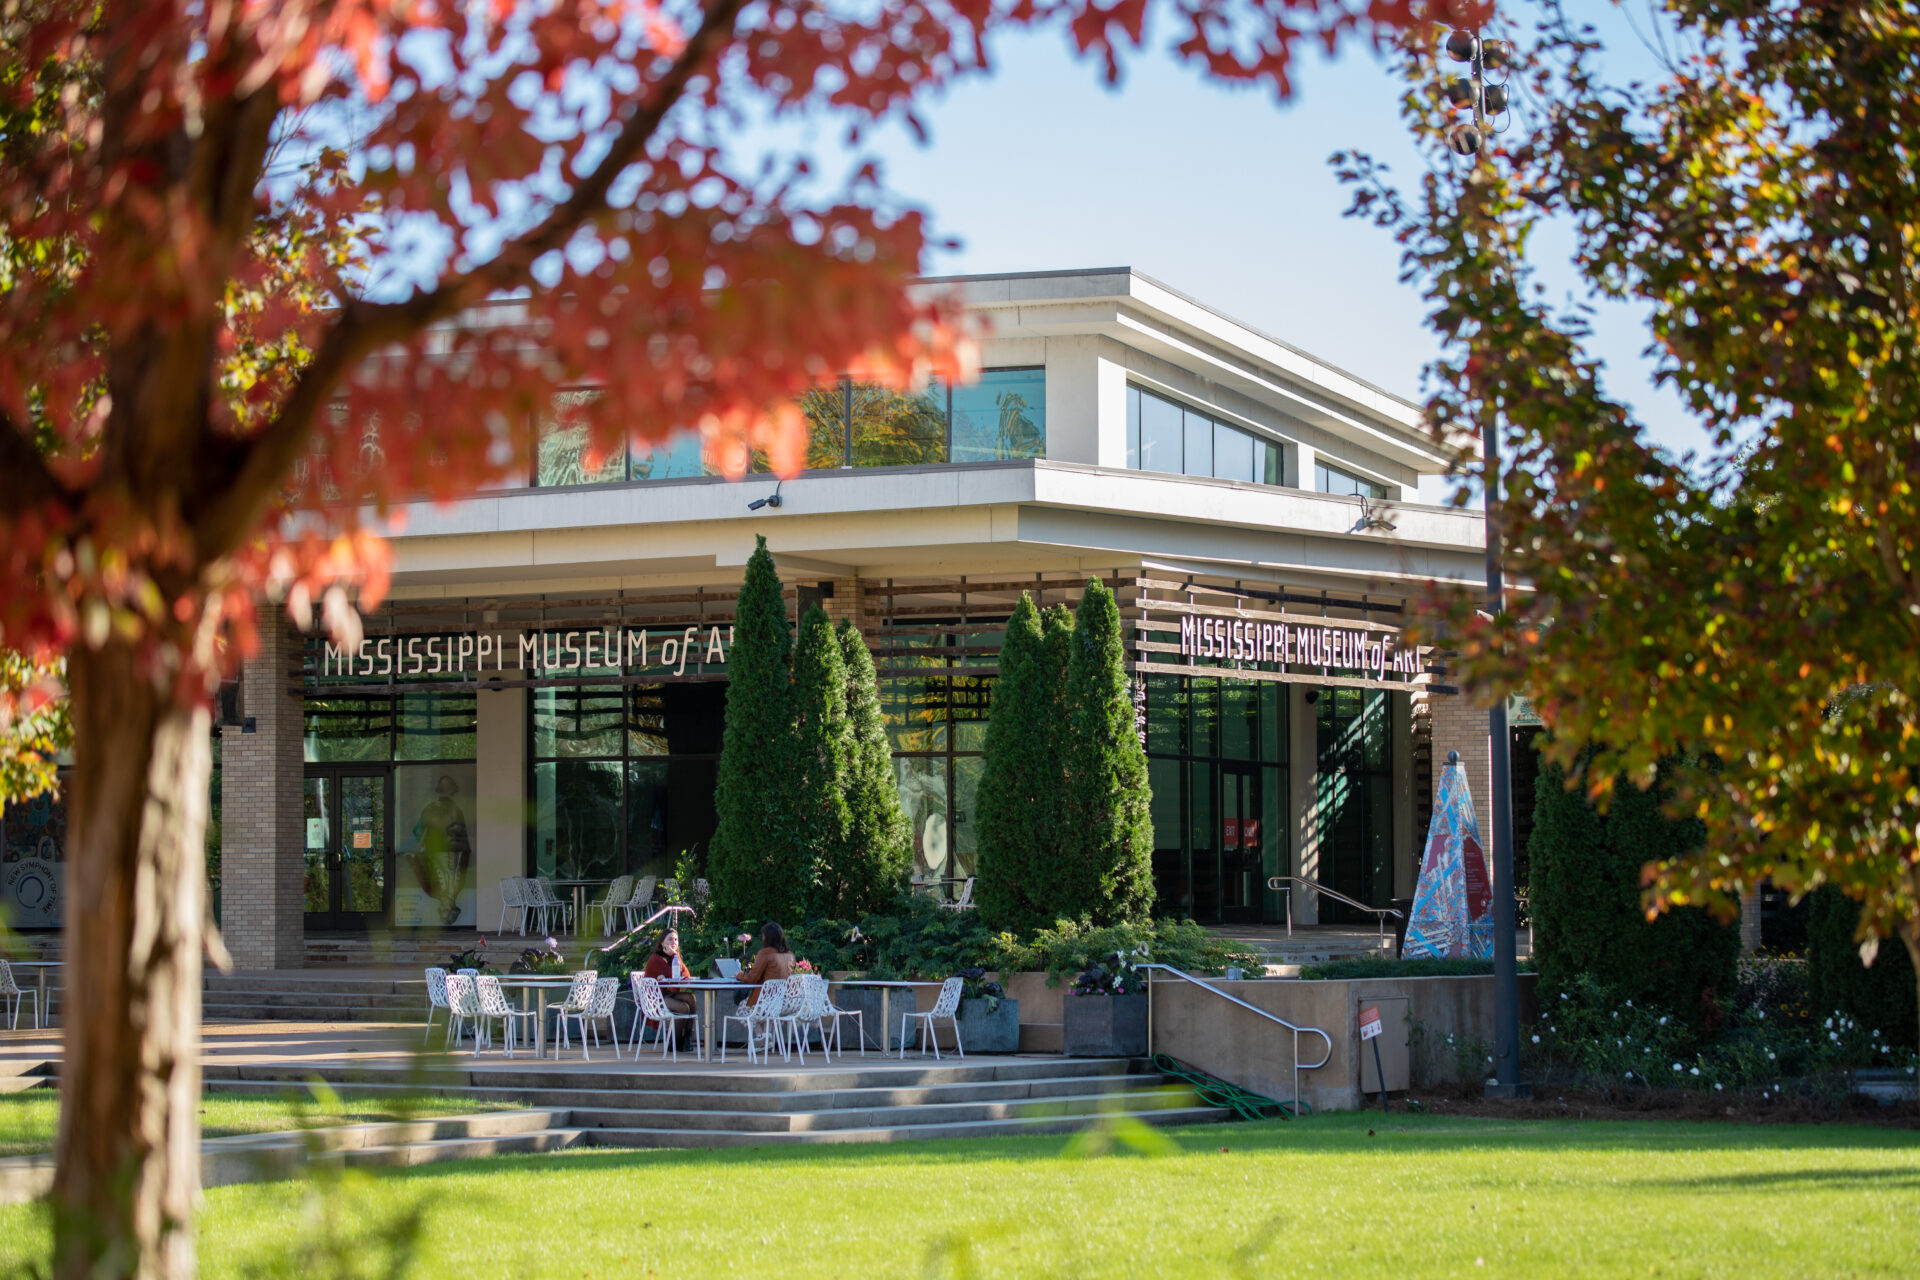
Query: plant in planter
(542, 960)
(1105, 1012)
(989, 1019)
(471, 958)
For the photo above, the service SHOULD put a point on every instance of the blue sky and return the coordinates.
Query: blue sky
(1222, 193)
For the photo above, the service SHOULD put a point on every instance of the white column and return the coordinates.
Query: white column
(502, 780)
(1303, 768)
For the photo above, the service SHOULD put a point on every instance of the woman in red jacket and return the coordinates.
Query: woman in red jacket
(666, 966)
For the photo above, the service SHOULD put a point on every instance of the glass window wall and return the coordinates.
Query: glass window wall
(1165, 436)
(1333, 480)
(1217, 762)
(622, 777)
(1003, 416)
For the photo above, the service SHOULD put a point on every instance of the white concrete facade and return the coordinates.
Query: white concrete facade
(596, 551)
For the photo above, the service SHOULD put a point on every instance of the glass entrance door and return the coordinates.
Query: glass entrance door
(1241, 865)
(349, 851)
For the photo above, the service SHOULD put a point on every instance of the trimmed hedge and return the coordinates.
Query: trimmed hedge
(1585, 896)
(1881, 998)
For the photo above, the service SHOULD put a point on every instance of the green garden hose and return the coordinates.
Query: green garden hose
(1218, 1093)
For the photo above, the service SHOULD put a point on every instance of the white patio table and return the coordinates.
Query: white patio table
(537, 984)
(705, 991)
(887, 987)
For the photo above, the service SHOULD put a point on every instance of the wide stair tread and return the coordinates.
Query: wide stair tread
(888, 1133)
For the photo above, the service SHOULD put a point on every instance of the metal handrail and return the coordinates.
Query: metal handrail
(1230, 998)
(643, 924)
(1284, 884)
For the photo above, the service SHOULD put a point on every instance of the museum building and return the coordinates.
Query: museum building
(544, 692)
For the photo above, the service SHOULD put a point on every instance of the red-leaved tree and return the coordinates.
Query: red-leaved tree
(238, 243)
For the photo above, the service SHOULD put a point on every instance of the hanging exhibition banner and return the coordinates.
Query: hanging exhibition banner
(1452, 906)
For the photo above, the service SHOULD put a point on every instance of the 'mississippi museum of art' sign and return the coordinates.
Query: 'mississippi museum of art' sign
(473, 654)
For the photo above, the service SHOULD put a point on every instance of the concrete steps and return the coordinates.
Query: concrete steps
(711, 1107)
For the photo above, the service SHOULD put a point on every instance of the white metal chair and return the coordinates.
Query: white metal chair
(552, 904)
(14, 996)
(805, 1013)
(836, 1013)
(947, 1006)
(436, 997)
(965, 901)
(579, 1000)
(599, 1008)
(513, 898)
(762, 1017)
(650, 1003)
(642, 899)
(494, 1006)
(701, 895)
(614, 900)
(463, 1005)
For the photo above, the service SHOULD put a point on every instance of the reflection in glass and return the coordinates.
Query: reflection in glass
(1232, 453)
(577, 819)
(576, 723)
(565, 454)
(436, 726)
(347, 730)
(898, 428)
(363, 853)
(649, 804)
(1161, 434)
(1199, 435)
(923, 797)
(318, 809)
(1004, 415)
(825, 409)
(966, 785)
(1239, 719)
(681, 456)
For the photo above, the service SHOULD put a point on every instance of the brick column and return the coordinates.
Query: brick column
(845, 602)
(262, 863)
(1460, 724)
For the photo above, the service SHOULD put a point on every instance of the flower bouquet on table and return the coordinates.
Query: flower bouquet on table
(804, 966)
(471, 958)
(545, 959)
(746, 947)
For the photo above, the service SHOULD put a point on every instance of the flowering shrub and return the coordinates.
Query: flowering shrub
(980, 987)
(1586, 1037)
(1115, 974)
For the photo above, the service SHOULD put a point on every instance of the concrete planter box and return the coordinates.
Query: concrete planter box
(1104, 1026)
(867, 1001)
(996, 1032)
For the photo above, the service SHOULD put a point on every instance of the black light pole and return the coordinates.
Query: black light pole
(1467, 140)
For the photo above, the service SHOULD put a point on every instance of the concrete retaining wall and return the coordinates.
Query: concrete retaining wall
(1222, 1039)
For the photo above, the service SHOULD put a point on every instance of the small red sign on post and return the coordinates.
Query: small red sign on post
(1370, 1022)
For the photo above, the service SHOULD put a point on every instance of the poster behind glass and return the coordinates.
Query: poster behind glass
(33, 837)
(433, 809)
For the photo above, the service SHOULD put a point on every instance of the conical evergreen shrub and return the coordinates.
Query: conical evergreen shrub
(869, 872)
(756, 863)
(1106, 864)
(823, 748)
(1018, 808)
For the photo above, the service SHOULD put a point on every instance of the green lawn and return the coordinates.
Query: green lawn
(1422, 1195)
(28, 1119)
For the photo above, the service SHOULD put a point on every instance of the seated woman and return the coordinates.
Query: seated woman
(773, 960)
(666, 966)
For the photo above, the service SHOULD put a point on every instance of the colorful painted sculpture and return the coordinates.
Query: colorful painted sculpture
(1453, 901)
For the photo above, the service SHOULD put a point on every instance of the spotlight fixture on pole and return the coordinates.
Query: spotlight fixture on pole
(1468, 139)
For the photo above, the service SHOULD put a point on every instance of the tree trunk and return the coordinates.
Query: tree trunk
(129, 1156)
